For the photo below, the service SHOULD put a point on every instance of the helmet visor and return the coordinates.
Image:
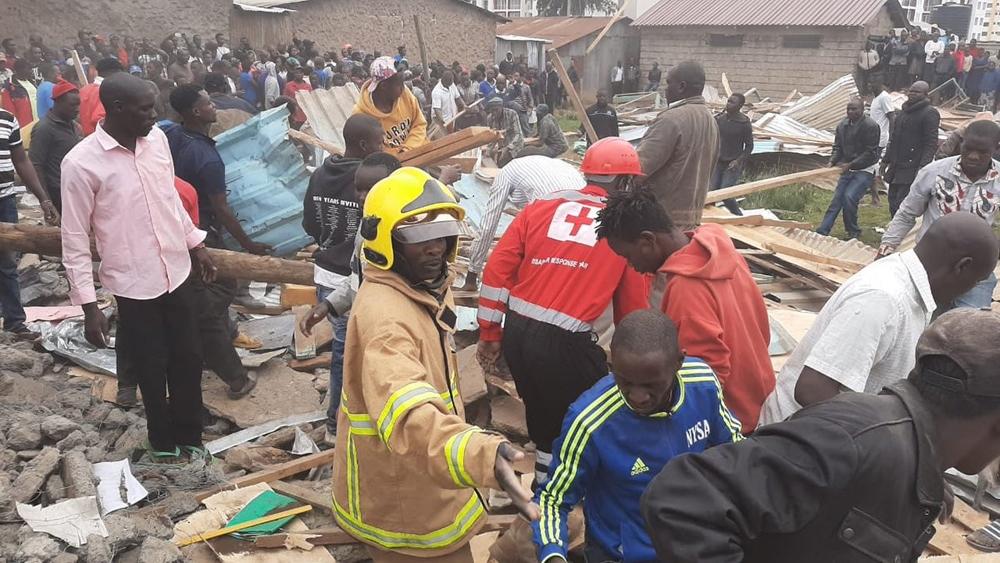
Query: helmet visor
(427, 226)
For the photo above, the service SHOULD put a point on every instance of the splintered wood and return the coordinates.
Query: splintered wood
(449, 146)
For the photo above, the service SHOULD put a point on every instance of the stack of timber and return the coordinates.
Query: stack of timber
(449, 146)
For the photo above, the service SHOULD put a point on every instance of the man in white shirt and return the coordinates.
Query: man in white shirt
(864, 337)
(445, 99)
(617, 79)
(932, 50)
(519, 183)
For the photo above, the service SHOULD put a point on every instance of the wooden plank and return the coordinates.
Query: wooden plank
(442, 142)
(756, 220)
(444, 148)
(789, 270)
(321, 536)
(574, 97)
(302, 494)
(423, 50)
(315, 141)
(275, 473)
(243, 526)
(78, 64)
(293, 294)
(726, 87)
(968, 517)
(608, 26)
(716, 196)
(950, 540)
(816, 257)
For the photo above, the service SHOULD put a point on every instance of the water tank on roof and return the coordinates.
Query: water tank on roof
(953, 17)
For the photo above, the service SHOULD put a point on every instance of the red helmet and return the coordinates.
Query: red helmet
(611, 156)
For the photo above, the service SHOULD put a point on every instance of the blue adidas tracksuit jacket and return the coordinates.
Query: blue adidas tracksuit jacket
(608, 454)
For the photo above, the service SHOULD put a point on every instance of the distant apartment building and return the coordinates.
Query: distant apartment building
(986, 20)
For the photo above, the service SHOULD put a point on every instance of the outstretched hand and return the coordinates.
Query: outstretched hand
(510, 482)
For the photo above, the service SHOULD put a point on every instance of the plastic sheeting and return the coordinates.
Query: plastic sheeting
(66, 339)
(267, 181)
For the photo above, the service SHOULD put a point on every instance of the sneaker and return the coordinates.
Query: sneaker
(330, 438)
(246, 342)
(126, 397)
(236, 394)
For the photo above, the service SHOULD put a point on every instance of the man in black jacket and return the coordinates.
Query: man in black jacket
(912, 144)
(735, 147)
(855, 152)
(331, 213)
(855, 478)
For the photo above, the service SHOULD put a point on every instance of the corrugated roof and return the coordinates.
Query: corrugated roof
(559, 30)
(275, 3)
(838, 13)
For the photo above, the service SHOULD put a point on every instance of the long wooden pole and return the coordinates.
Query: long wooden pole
(574, 97)
(420, 44)
(716, 196)
(79, 68)
(611, 22)
(36, 239)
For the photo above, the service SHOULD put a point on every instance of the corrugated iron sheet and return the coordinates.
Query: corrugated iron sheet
(826, 108)
(559, 30)
(267, 181)
(838, 13)
(328, 110)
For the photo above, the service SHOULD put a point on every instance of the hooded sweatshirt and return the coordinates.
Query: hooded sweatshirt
(330, 215)
(405, 126)
(721, 318)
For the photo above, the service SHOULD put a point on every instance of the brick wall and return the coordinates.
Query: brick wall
(761, 62)
(58, 21)
(452, 31)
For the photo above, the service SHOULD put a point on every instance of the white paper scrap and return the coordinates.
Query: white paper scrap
(117, 488)
(70, 520)
(303, 444)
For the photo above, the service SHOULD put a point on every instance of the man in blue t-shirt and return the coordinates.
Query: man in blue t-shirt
(618, 435)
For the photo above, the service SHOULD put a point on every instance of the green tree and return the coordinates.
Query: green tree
(573, 7)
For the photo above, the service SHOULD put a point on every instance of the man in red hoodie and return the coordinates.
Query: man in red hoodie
(709, 294)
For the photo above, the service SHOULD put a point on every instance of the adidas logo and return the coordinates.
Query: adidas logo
(638, 467)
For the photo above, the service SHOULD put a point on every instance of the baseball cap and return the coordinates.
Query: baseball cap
(63, 87)
(382, 69)
(971, 339)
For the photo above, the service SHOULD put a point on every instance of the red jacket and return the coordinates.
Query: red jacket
(91, 108)
(189, 198)
(549, 266)
(721, 318)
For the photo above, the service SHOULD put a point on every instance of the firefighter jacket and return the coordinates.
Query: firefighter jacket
(407, 463)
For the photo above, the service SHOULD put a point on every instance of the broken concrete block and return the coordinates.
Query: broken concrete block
(254, 458)
(55, 489)
(95, 454)
(7, 459)
(78, 475)
(176, 505)
(508, 417)
(115, 419)
(28, 454)
(31, 479)
(282, 438)
(128, 529)
(97, 550)
(6, 495)
(57, 427)
(155, 550)
(350, 553)
(65, 557)
(25, 436)
(76, 440)
(39, 547)
(130, 440)
(16, 361)
(76, 399)
(98, 412)
(471, 380)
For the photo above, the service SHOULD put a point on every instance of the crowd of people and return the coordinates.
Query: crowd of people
(847, 444)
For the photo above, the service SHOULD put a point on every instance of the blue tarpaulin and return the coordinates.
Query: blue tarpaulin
(267, 181)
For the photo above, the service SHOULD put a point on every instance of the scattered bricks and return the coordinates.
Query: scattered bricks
(78, 475)
(55, 489)
(24, 436)
(97, 550)
(76, 440)
(40, 548)
(31, 479)
(154, 550)
(57, 427)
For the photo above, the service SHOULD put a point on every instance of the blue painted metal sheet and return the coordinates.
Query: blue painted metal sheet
(267, 181)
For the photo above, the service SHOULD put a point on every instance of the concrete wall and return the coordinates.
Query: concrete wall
(761, 61)
(58, 21)
(619, 44)
(452, 31)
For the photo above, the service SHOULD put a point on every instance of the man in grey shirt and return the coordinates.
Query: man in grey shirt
(969, 182)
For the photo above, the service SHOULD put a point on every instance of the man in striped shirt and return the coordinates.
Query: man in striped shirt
(519, 183)
(13, 158)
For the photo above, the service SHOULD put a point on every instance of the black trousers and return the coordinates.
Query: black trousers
(551, 367)
(163, 351)
(897, 193)
(216, 331)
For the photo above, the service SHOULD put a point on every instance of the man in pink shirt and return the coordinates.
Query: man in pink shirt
(118, 185)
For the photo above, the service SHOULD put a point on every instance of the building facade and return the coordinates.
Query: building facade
(775, 47)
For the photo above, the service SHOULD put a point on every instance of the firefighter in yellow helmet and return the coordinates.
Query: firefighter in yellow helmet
(408, 473)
